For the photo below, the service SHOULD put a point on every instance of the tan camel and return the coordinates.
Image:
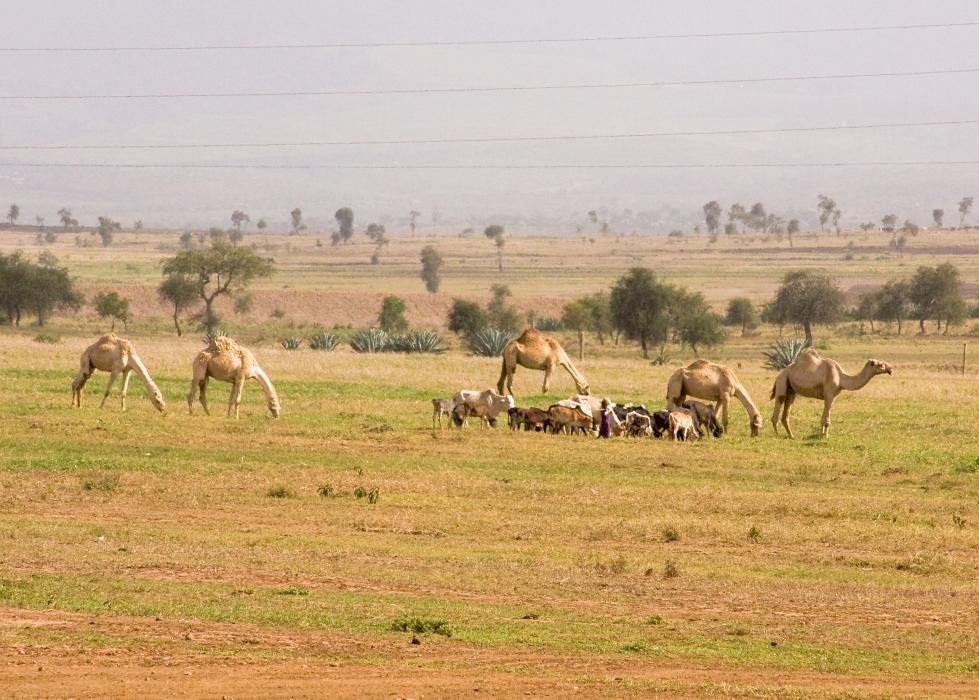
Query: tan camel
(534, 350)
(116, 355)
(227, 361)
(710, 381)
(818, 377)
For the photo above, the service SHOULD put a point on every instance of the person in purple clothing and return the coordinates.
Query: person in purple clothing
(605, 428)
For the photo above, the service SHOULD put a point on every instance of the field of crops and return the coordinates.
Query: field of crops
(348, 549)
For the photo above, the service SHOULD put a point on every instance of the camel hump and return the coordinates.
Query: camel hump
(699, 364)
(808, 356)
(531, 335)
(223, 343)
(108, 338)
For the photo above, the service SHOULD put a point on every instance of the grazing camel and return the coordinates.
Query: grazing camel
(226, 360)
(710, 381)
(110, 353)
(534, 350)
(818, 377)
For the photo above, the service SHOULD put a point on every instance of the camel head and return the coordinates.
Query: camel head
(156, 398)
(878, 367)
(756, 425)
(274, 408)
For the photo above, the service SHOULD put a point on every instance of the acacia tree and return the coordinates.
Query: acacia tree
(965, 206)
(639, 306)
(107, 229)
(413, 220)
(806, 298)
(431, 268)
(392, 319)
(64, 215)
(111, 305)
(345, 223)
(938, 215)
(495, 233)
(935, 295)
(297, 221)
(238, 217)
(179, 291)
(222, 269)
(791, 229)
(889, 221)
(13, 214)
(712, 217)
(741, 312)
(893, 302)
(376, 233)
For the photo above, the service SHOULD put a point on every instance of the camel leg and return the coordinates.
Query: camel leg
(547, 378)
(108, 387)
(779, 400)
(76, 388)
(126, 373)
(786, 409)
(235, 401)
(723, 403)
(202, 384)
(827, 407)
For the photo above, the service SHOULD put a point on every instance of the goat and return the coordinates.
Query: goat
(704, 418)
(441, 407)
(637, 425)
(681, 426)
(572, 418)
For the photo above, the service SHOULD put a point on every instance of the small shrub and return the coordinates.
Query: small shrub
(545, 323)
(958, 521)
(326, 491)
(969, 465)
(754, 534)
(321, 340)
(634, 647)
(671, 533)
(662, 358)
(291, 343)
(280, 492)
(369, 340)
(47, 338)
(671, 570)
(489, 342)
(278, 313)
(293, 590)
(421, 625)
(107, 483)
(373, 495)
(360, 492)
(782, 353)
(655, 620)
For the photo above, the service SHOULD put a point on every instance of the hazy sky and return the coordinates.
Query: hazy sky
(177, 197)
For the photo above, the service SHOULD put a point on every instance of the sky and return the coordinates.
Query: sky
(525, 199)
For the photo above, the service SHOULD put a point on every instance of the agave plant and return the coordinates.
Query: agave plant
(426, 341)
(490, 342)
(321, 340)
(369, 340)
(291, 343)
(782, 353)
(217, 333)
(398, 343)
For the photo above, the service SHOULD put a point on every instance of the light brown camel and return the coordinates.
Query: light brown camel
(116, 355)
(710, 381)
(534, 350)
(818, 377)
(227, 361)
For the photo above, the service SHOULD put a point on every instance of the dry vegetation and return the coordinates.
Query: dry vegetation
(301, 557)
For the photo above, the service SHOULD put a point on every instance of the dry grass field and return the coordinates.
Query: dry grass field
(147, 555)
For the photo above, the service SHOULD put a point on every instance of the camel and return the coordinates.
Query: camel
(534, 350)
(710, 381)
(227, 361)
(116, 355)
(818, 377)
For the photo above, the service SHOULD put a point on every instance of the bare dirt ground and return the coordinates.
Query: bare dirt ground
(165, 658)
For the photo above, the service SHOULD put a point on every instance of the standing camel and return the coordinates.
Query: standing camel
(227, 361)
(818, 377)
(534, 350)
(116, 355)
(710, 381)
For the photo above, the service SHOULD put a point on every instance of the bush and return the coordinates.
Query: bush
(291, 343)
(369, 340)
(545, 323)
(47, 338)
(782, 353)
(423, 341)
(466, 318)
(321, 340)
(489, 342)
(392, 316)
(420, 625)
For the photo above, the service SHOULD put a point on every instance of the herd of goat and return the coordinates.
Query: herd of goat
(579, 414)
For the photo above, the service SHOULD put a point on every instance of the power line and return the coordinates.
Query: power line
(502, 88)
(485, 42)
(489, 166)
(489, 139)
